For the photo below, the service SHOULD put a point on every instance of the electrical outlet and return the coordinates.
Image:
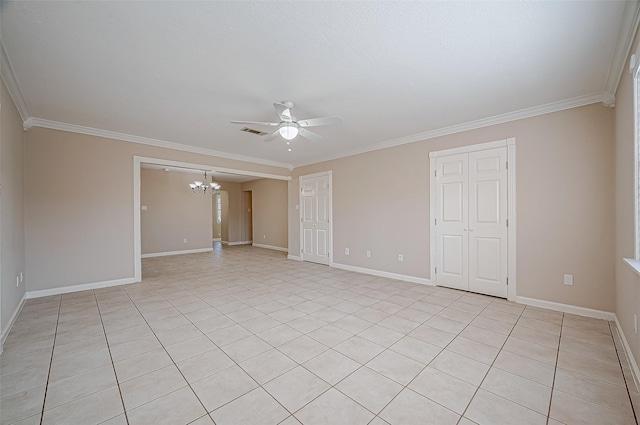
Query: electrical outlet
(346, 251)
(184, 240)
(17, 281)
(400, 258)
(568, 279)
(21, 277)
(264, 236)
(368, 254)
(635, 324)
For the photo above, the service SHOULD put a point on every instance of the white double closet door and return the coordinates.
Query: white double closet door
(471, 221)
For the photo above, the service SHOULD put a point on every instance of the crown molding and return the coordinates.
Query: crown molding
(628, 31)
(471, 125)
(56, 125)
(9, 78)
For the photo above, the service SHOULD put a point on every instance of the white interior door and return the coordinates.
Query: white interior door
(471, 221)
(315, 212)
(452, 218)
(488, 222)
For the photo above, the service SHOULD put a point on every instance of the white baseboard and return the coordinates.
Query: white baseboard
(566, 308)
(184, 251)
(294, 257)
(237, 243)
(276, 248)
(78, 288)
(389, 275)
(627, 349)
(4, 333)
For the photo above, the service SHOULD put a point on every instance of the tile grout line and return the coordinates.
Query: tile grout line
(220, 348)
(624, 378)
(375, 415)
(113, 365)
(225, 353)
(276, 348)
(492, 363)
(248, 287)
(591, 377)
(555, 370)
(55, 335)
(388, 349)
(172, 361)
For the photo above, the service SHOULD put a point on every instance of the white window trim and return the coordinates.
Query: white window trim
(218, 208)
(634, 68)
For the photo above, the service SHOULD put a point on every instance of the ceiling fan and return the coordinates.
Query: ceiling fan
(289, 127)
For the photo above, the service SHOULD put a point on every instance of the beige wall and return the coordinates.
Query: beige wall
(12, 253)
(269, 198)
(79, 205)
(627, 282)
(174, 212)
(564, 197)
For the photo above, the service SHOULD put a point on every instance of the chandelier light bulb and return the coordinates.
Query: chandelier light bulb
(201, 187)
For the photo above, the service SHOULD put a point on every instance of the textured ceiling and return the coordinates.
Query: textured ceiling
(180, 71)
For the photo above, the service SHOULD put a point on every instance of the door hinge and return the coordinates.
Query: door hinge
(507, 281)
(435, 221)
(507, 222)
(435, 173)
(436, 270)
(506, 165)
(301, 220)
(300, 250)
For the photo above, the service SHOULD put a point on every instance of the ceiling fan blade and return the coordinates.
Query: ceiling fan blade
(310, 135)
(312, 122)
(284, 112)
(271, 124)
(272, 136)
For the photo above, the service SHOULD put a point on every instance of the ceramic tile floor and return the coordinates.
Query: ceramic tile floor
(243, 336)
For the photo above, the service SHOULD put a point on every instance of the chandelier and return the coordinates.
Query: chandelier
(203, 186)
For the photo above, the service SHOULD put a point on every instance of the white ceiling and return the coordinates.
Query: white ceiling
(396, 72)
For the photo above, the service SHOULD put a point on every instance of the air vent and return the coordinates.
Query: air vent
(252, 131)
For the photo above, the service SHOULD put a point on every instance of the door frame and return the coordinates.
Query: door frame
(311, 176)
(137, 163)
(247, 219)
(510, 144)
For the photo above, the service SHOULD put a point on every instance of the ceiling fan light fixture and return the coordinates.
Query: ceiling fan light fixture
(288, 130)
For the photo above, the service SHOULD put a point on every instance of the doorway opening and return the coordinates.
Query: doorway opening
(247, 217)
(235, 178)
